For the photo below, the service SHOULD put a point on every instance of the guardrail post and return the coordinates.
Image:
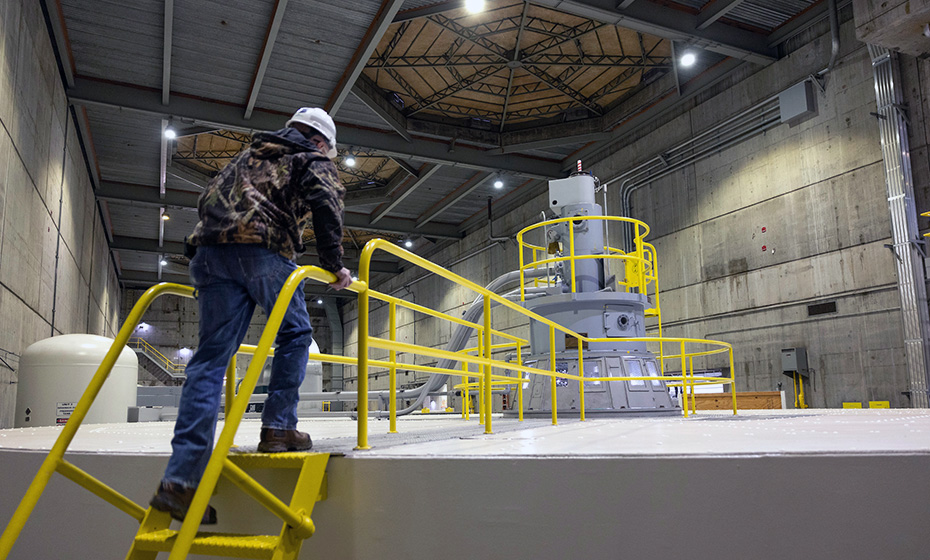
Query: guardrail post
(732, 381)
(362, 407)
(555, 419)
(466, 392)
(230, 384)
(571, 245)
(487, 367)
(581, 374)
(520, 385)
(392, 327)
(691, 374)
(684, 379)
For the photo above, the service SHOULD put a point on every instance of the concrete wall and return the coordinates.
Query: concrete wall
(56, 275)
(818, 189)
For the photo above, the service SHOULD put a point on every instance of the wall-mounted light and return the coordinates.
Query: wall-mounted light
(688, 59)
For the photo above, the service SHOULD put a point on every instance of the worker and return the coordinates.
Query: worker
(252, 220)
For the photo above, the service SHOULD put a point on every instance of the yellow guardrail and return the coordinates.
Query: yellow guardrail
(639, 269)
(236, 404)
(156, 355)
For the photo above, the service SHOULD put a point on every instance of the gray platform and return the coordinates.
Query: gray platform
(824, 484)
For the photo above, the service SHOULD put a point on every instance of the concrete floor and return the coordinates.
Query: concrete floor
(709, 433)
(824, 484)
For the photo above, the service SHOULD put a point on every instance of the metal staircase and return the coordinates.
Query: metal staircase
(154, 534)
(157, 364)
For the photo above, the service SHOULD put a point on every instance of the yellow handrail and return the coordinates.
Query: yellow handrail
(636, 262)
(483, 359)
(54, 461)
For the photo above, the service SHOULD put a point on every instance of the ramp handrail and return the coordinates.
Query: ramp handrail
(172, 368)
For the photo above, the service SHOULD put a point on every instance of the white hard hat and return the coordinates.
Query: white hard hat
(319, 120)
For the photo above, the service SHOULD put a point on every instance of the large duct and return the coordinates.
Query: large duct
(912, 286)
(335, 326)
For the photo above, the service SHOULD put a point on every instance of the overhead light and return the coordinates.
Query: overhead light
(319, 301)
(498, 184)
(408, 244)
(163, 262)
(350, 161)
(474, 6)
(170, 133)
(165, 216)
(355, 278)
(688, 59)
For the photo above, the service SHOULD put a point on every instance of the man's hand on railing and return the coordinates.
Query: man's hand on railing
(343, 279)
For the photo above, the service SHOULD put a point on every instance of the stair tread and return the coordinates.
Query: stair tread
(293, 460)
(225, 544)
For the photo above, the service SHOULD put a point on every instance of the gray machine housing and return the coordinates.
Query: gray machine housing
(595, 309)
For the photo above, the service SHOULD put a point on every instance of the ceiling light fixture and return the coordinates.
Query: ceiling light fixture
(408, 244)
(165, 217)
(498, 184)
(688, 59)
(163, 262)
(319, 301)
(350, 160)
(474, 6)
(170, 133)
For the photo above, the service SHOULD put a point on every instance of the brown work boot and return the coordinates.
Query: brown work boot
(279, 441)
(176, 499)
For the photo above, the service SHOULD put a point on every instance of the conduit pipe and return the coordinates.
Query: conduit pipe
(834, 33)
(907, 243)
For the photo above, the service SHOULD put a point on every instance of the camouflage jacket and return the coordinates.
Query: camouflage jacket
(267, 195)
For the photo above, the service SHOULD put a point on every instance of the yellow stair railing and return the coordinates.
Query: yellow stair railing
(154, 535)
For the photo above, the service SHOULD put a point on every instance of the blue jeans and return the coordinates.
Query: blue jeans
(230, 280)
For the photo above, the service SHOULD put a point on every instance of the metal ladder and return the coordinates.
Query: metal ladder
(154, 536)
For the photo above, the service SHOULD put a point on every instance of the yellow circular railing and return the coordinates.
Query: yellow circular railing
(639, 265)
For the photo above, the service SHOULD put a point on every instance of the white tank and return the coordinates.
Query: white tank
(313, 383)
(53, 374)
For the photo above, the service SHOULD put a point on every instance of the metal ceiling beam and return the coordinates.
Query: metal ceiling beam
(453, 198)
(424, 174)
(715, 11)
(143, 194)
(802, 21)
(401, 226)
(430, 10)
(368, 93)
(96, 93)
(382, 21)
(59, 36)
(624, 4)
(673, 24)
(166, 52)
(190, 176)
(270, 37)
(662, 104)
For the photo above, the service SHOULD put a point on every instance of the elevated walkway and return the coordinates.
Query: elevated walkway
(825, 484)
